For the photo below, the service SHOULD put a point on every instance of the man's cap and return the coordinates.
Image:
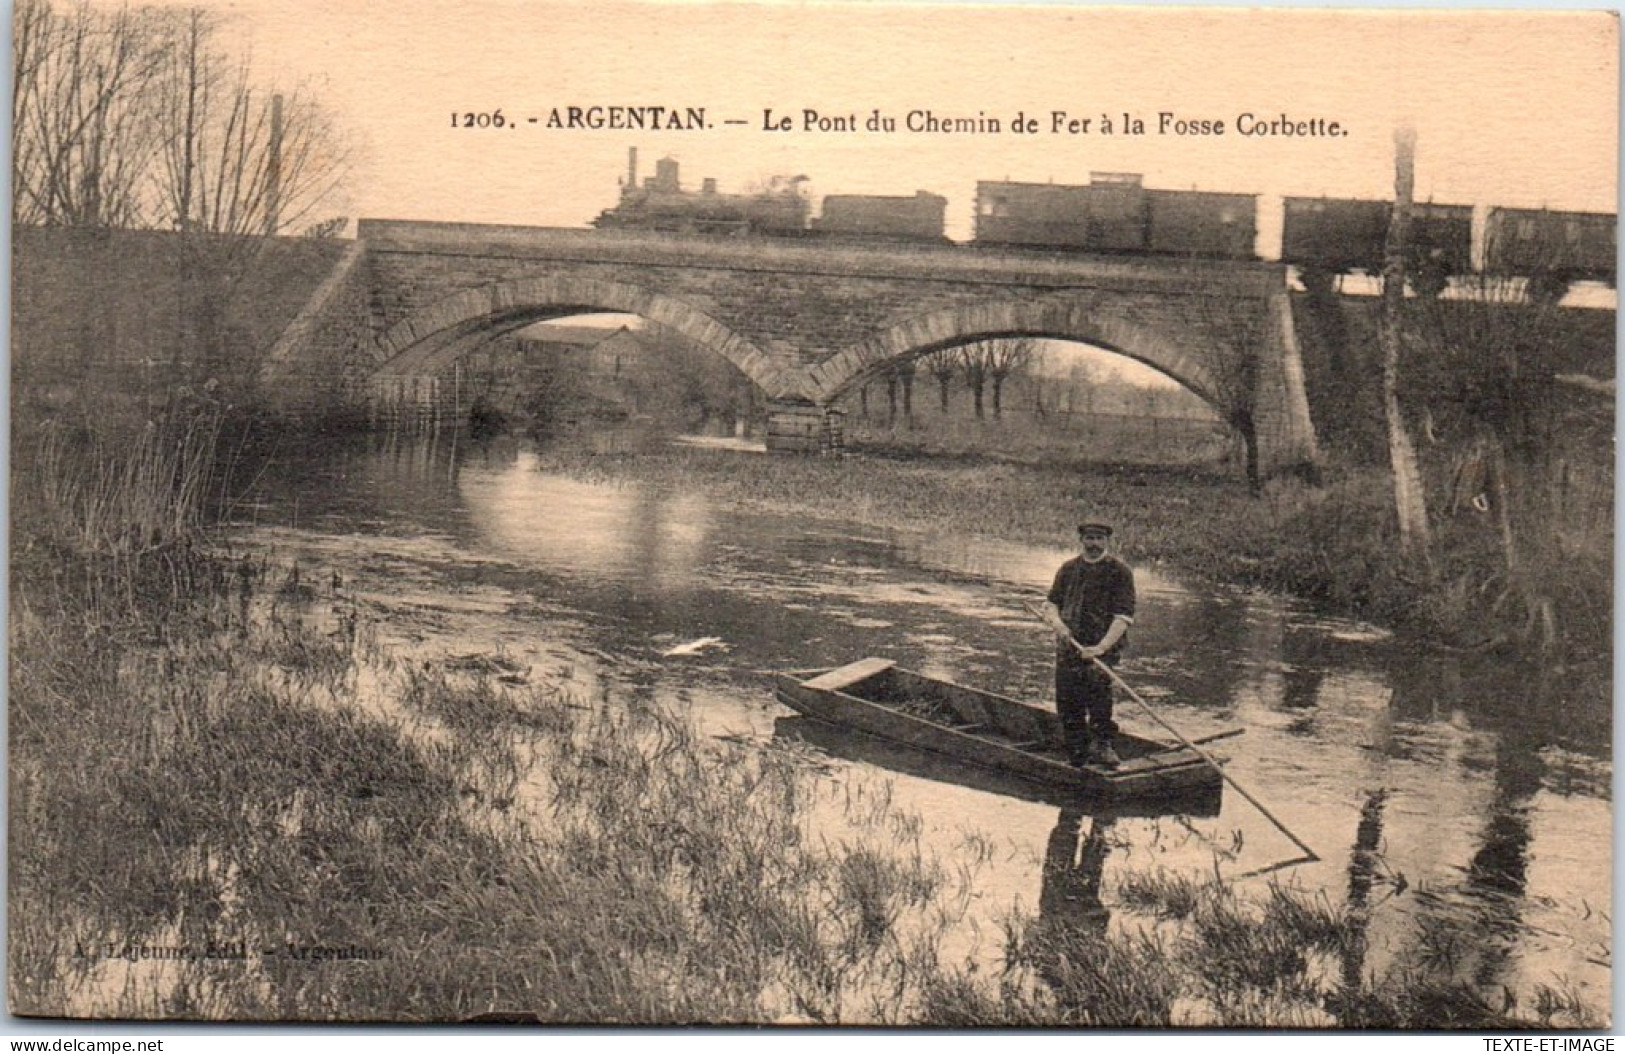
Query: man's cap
(1096, 524)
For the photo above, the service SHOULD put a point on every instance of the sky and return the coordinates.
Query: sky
(1510, 107)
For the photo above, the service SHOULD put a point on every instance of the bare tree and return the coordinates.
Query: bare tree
(973, 366)
(1238, 334)
(32, 40)
(1004, 357)
(1485, 365)
(124, 118)
(82, 128)
(1038, 380)
(1083, 378)
(236, 162)
(904, 369)
(943, 365)
(236, 159)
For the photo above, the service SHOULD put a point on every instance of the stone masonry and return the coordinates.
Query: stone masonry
(805, 320)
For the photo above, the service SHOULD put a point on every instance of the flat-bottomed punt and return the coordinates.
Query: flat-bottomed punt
(878, 697)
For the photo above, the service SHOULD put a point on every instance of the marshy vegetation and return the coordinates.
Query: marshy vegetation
(1282, 958)
(229, 802)
(266, 817)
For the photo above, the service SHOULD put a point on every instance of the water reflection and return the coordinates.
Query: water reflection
(1074, 863)
(902, 759)
(1474, 928)
(1364, 870)
(1302, 669)
(1462, 806)
(632, 535)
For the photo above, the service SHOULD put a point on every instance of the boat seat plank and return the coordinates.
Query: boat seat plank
(848, 675)
(1159, 762)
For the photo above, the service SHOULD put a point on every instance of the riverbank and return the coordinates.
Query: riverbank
(268, 821)
(230, 801)
(271, 817)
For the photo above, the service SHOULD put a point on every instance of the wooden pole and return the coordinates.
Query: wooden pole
(273, 170)
(1310, 855)
(1410, 503)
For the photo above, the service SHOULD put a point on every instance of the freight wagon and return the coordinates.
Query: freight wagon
(1337, 235)
(1115, 213)
(917, 218)
(1550, 248)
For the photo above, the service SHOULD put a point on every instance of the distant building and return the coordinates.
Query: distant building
(615, 357)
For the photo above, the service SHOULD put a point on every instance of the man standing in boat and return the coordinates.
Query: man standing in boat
(1092, 604)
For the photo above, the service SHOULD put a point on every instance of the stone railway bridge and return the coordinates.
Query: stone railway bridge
(806, 321)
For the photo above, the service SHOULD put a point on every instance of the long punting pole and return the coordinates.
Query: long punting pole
(1310, 856)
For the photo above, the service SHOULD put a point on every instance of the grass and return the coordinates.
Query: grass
(214, 766)
(1162, 893)
(237, 766)
(496, 848)
(516, 850)
(1285, 959)
(1021, 438)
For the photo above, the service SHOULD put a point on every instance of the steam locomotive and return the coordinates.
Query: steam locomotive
(779, 210)
(661, 204)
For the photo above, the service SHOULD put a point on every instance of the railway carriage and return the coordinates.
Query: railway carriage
(920, 217)
(1339, 235)
(1032, 215)
(1199, 223)
(1566, 246)
(1115, 213)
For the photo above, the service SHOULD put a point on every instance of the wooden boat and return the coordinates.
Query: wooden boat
(900, 758)
(878, 697)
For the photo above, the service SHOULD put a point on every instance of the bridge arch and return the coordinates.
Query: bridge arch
(437, 335)
(1057, 319)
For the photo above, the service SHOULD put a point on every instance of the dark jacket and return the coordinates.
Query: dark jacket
(1090, 595)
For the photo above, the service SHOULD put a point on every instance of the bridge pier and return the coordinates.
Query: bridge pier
(804, 428)
(1286, 433)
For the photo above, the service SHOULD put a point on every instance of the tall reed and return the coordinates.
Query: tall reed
(116, 520)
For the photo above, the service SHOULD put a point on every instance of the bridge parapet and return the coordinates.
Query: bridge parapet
(812, 256)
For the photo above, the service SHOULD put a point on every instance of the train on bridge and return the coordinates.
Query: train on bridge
(1116, 213)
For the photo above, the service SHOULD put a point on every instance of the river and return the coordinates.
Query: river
(1441, 792)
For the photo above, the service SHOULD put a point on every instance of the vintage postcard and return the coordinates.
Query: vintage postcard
(812, 514)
